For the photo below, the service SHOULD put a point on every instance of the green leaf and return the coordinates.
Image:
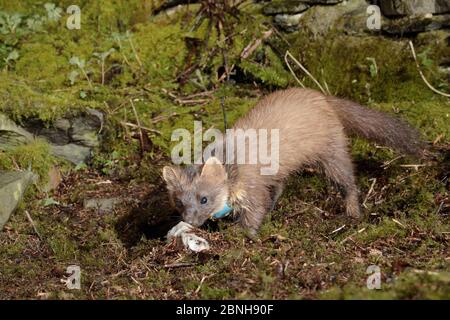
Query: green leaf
(53, 12)
(77, 62)
(49, 202)
(13, 55)
(80, 166)
(73, 75)
(83, 94)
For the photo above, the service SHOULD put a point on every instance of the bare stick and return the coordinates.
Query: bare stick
(248, 50)
(338, 229)
(225, 122)
(423, 76)
(201, 282)
(103, 72)
(141, 134)
(374, 180)
(132, 125)
(179, 265)
(399, 223)
(288, 54)
(87, 78)
(292, 71)
(134, 51)
(33, 225)
(123, 55)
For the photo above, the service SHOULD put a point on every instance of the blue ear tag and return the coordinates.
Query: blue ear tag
(223, 213)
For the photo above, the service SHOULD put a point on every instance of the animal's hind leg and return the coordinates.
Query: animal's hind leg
(337, 166)
(277, 190)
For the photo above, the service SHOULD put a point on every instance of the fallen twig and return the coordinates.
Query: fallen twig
(141, 134)
(399, 223)
(423, 76)
(132, 125)
(388, 163)
(338, 229)
(374, 180)
(415, 166)
(201, 282)
(179, 265)
(353, 234)
(134, 51)
(288, 54)
(33, 225)
(248, 50)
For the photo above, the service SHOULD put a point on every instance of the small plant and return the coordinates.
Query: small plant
(80, 63)
(9, 23)
(373, 68)
(102, 58)
(221, 18)
(118, 38)
(35, 23)
(12, 56)
(424, 58)
(53, 12)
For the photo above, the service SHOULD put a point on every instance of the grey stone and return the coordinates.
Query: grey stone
(168, 4)
(395, 8)
(414, 25)
(62, 124)
(51, 134)
(284, 7)
(315, 2)
(287, 22)
(72, 152)
(103, 205)
(350, 16)
(11, 135)
(82, 133)
(69, 138)
(82, 129)
(12, 188)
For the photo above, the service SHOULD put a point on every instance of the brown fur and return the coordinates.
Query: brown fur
(313, 131)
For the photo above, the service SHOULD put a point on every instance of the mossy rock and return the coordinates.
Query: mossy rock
(284, 7)
(12, 188)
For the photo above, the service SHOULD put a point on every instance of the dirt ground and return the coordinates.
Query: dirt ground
(306, 248)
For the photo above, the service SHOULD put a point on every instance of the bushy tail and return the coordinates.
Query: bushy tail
(378, 126)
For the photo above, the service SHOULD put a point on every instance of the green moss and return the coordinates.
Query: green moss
(211, 292)
(35, 156)
(385, 229)
(409, 285)
(20, 100)
(271, 72)
(364, 68)
(62, 246)
(41, 64)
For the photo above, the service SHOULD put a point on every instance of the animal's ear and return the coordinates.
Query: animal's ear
(213, 168)
(172, 176)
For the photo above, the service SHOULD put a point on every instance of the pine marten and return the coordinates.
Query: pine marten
(313, 130)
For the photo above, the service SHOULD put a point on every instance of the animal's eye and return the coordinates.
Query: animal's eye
(203, 200)
(178, 203)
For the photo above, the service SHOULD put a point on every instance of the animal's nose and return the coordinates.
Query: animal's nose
(189, 216)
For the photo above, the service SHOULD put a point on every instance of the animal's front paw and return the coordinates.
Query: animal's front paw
(251, 234)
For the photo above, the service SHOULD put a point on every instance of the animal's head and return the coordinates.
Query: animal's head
(197, 192)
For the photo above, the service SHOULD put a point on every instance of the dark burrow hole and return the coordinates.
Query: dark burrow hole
(152, 219)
